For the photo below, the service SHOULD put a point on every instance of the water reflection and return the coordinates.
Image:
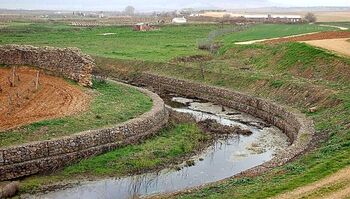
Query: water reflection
(226, 157)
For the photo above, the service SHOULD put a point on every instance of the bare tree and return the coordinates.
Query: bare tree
(226, 17)
(310, 17)
(12, 79)
(129, 10)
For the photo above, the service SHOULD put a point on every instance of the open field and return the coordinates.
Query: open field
(293, 74)
(268, 31)
(169, 42)
(163, 45)
(23, 104)
(333, 16)
(111, 104)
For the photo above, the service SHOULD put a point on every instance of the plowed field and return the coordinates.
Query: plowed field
(22, 104)
(311, 37)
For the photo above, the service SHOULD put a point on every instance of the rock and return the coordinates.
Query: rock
(313, 109)
(67, 62)
(243, 132)
(10, 190)
(190, 163)
(215, 127)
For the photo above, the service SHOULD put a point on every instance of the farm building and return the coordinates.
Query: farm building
(179, 20)
(255, 17)
(143, 27)
(274, 18)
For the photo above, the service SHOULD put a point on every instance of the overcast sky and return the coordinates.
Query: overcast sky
(147, 5)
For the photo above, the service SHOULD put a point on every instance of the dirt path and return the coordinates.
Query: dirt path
(336, 41)
(23, 104)
(339, 27)
(272, 39)
(304, 37)
(341, 46)
(336, 186)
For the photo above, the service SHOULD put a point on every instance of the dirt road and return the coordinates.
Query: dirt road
(23, 104)
(336, 186)
(340, 46)
(273, 39)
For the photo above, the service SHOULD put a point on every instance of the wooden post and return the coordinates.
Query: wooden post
(13, 76)
(37, 80)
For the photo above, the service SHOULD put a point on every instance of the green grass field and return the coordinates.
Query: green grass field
(163, 45)
(112, 104)
(267, 31)
(342, 24)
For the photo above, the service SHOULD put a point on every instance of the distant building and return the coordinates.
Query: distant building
(255, 17)
(179, 20)
(144, 27)
(275, 18)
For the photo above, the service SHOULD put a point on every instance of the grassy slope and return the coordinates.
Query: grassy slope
(267, 31)
(293, 74)
(284, 67)
(173, 143)
(112, 104)
(162, 45)
(342, 24)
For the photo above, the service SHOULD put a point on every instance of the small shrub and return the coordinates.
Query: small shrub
(276, 83)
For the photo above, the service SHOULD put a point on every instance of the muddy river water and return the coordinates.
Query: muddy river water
(226, 157)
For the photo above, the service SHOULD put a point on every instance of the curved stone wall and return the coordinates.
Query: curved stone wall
(295, 125)
(36, 157)
(68, 62)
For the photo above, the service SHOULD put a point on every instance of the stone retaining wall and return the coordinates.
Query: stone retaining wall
(68, 62)
(295, 125)
(32, 158)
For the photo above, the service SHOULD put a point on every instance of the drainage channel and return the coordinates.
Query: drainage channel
(226, 157)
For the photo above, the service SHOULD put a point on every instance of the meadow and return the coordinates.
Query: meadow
(160, 45)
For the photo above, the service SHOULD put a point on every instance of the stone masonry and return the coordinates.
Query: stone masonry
(295, 125)
(46, 156)
(67, 62)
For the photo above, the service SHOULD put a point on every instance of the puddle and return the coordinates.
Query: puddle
(226, 157)
(106, 34)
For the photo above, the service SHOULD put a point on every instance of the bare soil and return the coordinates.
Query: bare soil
(310, 37)
(340, 46)
(22, 104)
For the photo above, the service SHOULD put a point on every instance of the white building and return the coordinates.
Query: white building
(179, 20)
